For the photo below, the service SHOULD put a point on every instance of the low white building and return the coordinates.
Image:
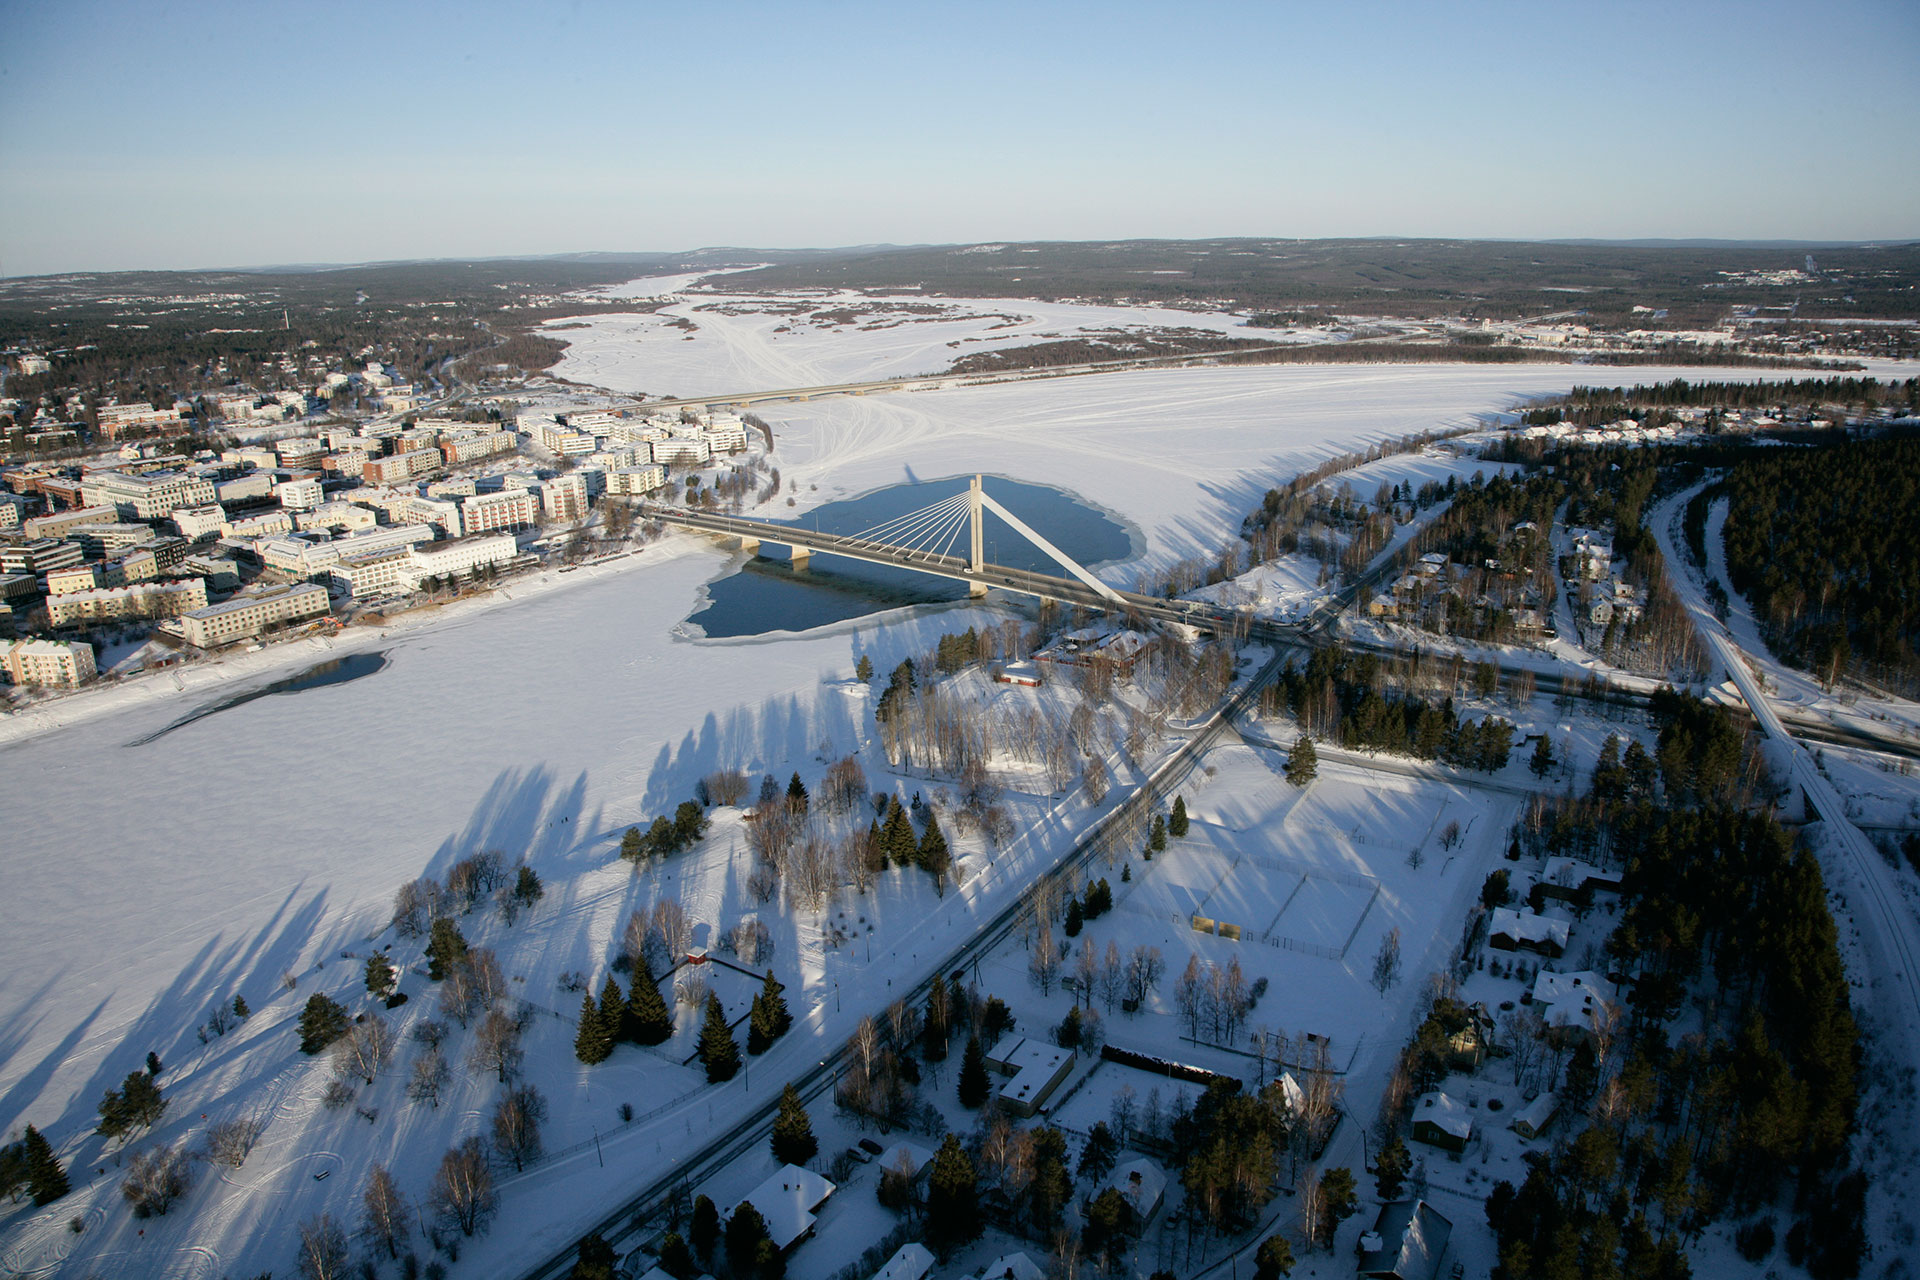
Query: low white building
(141, 600)
(682, 451)
(788, 1202)
(199, 524)
(463, 557)
(1037, 1068)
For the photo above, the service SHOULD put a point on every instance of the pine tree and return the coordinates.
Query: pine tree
(380, 977)
(1390, 1169)
(931, 853)
(1076, 917)
(718, 1052)
(1542, 762)
(616, 1019)
(591, 1044)
(446, 947)
(953, 1198)
(797, 794)
(1337, 1202)
(1157, 837)
(759, 1028)
(1303, 762)
(793, 1140)
(974, 1085)
(936, 1024)
(527, 888)
(1098, 1156)
(1274, 1260)
(321, 1023)
(45, 1178)
(633, 847)
(863, 669)
(897, 835)
(240, 1011)
(648, 1021)
(779, 1021)
(705, 1228)
(597, 1259)
(1177, 823)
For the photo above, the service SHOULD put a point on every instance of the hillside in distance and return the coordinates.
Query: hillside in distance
(1478, 278)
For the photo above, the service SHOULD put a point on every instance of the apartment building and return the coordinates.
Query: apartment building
(508, 509)
(57, 524)
(252, 613)
(48, 663)
(153, 496)
(138, 600)
(401, 466)
(39, 556)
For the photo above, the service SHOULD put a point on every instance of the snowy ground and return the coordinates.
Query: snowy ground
(148, 884)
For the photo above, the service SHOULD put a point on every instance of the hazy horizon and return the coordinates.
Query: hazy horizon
(216, 135)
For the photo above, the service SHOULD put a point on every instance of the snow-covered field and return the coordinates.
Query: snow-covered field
(148, 884)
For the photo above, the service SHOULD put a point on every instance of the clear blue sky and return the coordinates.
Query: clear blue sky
(196, 134)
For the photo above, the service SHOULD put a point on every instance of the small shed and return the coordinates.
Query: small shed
(911, 1262)
(1535, 1116)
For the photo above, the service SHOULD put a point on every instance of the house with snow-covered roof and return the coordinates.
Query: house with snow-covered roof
(1408, 1241)
(911, 1261)
(1141, 1184)
(788, 1202)
(1511, 930)
(1440, 1120)
(1576, 1000)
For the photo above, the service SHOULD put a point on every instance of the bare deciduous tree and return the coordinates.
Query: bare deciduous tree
(156, 1177)
(462, 1195)
(1043, 965)
(496, 1046)
(415, 905)
(230, 1141)
(323, 1249)
(383, 1213)
(1144, 970)
(516, 1125)
(364, 1049)
(430, 1079)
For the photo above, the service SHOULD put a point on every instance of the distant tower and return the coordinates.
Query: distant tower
(1811, 269)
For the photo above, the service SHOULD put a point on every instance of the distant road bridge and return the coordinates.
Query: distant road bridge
(924, 541)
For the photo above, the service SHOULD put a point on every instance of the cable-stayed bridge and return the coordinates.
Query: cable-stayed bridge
(945, 539)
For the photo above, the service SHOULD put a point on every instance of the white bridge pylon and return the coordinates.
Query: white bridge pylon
(928, 531)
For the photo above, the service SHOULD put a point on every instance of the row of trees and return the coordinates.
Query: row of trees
(1344, 697)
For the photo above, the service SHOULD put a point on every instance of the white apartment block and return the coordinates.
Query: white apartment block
(508, 509)
(57, 524)
(153, 496)
(39, 556)
(48, 662)
(459, 559)
(401, 466)
(631, 481)
(268, 524)
(115, 418)
(198, 524)
(252, 613)
(109, 539)
(141, 600)
(299, 495)
(350, 516)
(305, 555)
(564, 497)
(258, 484)
(455, 487)
(565, 441)
(682, 451)
(303, 451)
(726, 433)
(436, 513)
(75, 577)
(374, 573)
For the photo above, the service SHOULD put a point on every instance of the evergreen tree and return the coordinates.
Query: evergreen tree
(932, 854)
(1274, 1259)
(527, 888)
(1157, 836)
(897, 835)
(1098, 1156)
(321, 1023)
(937, 1024)
(953, 1198)
(759, 1029)
(863, 668)
(592, 1043)
(615, 1013)
(1076, 918)
(240, 1009)
(676, 1259)
(13, 1169)
(1337, 1203)
(446, 947)
(772, 993)
(380, 976)
(597, 1259)
(689, 826)
(718, 1052)
(648, 1021)
(45, 1178)
(136, 1104)
(746, 1232)
(1177, 821)
(797, 798)
(793, 1140)
(633, 846)
(974, 1085)
(705, 1228)
(1303, 762)
(1390, 1169)
(153, 1059)
(1542, 761)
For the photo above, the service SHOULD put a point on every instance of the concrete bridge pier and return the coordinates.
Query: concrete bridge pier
(801, 556)
(975, 590)
(741, 542)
